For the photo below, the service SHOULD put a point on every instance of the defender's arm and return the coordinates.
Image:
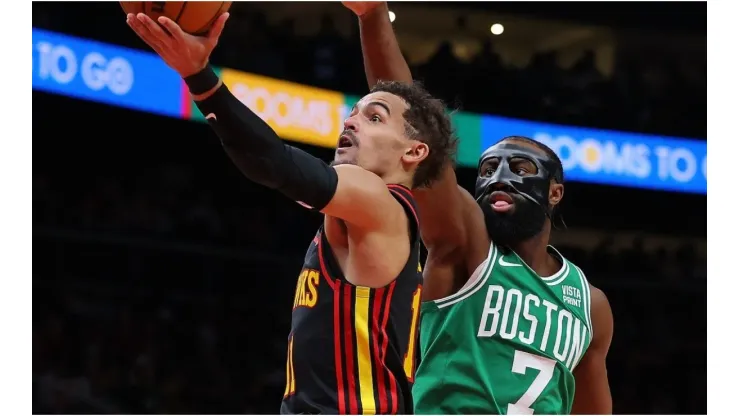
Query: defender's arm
(348, 192)
(382, 55)
(593, 396)
(448, 215)
(443, 207)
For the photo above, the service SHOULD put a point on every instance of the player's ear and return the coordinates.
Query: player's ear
(415, 153)
(556, 192)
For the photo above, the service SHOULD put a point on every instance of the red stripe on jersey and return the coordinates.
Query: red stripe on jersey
(391, 379)
(349, 352)
(338, 347)
(379, 365)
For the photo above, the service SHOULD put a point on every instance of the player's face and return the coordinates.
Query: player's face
(374, 135)
(514, 190)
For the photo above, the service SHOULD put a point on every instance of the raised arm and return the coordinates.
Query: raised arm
(348, 192)
(593, 395)
(382, 55)
(446, 211)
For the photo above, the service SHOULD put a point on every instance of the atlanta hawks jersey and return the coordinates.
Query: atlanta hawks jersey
(351, 349)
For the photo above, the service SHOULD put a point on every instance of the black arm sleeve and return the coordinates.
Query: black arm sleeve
(258, 151)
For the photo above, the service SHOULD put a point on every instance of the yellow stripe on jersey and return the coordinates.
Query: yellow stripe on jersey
(289, 372)
(364, 359)
(292, 370)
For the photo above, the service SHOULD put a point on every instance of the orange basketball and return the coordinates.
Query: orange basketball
(194, 17)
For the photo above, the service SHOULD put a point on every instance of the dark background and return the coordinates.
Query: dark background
(163, 279)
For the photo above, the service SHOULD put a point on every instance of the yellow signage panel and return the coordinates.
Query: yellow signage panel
(297, 112)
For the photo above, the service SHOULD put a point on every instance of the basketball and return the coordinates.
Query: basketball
(194, 17)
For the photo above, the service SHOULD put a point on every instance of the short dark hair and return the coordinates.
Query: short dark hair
(426, 120)
(558, 174)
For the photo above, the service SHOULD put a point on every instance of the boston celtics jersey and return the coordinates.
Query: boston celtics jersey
(507, 343)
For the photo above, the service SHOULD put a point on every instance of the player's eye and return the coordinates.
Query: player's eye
(489, 172)
(522, 168)
(375, 118)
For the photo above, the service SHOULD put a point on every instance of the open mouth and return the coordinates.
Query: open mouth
(501, 201)
(344, 142)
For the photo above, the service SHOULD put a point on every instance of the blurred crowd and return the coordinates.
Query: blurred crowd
(102, 346)
(647, 94)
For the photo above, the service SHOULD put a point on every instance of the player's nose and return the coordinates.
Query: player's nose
(500, 186)
(350, 123)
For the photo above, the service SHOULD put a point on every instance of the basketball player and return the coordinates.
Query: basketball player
(508, 326)
(355, 312)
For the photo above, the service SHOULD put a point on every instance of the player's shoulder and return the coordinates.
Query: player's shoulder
(601, 311)
(472, 209)
(359, 177)
(598, 297)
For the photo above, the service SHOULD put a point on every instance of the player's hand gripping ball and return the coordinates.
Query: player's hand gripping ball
(193, 17)
(185, 53)
(361, 7)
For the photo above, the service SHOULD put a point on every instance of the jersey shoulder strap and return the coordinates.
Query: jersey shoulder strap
(586, 290)
(475, 282)
(406, 198)
(574, 278)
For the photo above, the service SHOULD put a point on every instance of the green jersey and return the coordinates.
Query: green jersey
(507, 343)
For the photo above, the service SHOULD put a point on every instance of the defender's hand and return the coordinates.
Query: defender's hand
(185, 53)
(361, 7)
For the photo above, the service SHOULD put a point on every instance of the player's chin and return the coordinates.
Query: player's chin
(342, 161)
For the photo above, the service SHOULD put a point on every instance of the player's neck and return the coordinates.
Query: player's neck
(534, 252)
(397, 179)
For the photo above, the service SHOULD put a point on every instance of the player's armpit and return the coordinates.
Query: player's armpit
(363, 200)
(441, 213)
(593, 395)
(442, 274)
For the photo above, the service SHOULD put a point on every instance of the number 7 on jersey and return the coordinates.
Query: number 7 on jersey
(523, 361)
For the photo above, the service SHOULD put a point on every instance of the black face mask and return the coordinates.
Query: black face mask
(530, 192)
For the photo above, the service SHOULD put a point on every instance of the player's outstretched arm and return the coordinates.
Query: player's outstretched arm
(348, 192)
(593, 396)
(443, 225)
(352, 194)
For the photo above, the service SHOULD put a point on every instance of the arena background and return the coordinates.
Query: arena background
(163, 279)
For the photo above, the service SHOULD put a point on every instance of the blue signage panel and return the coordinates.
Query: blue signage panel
(104, 73)
(611, 157)
(141, 80)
